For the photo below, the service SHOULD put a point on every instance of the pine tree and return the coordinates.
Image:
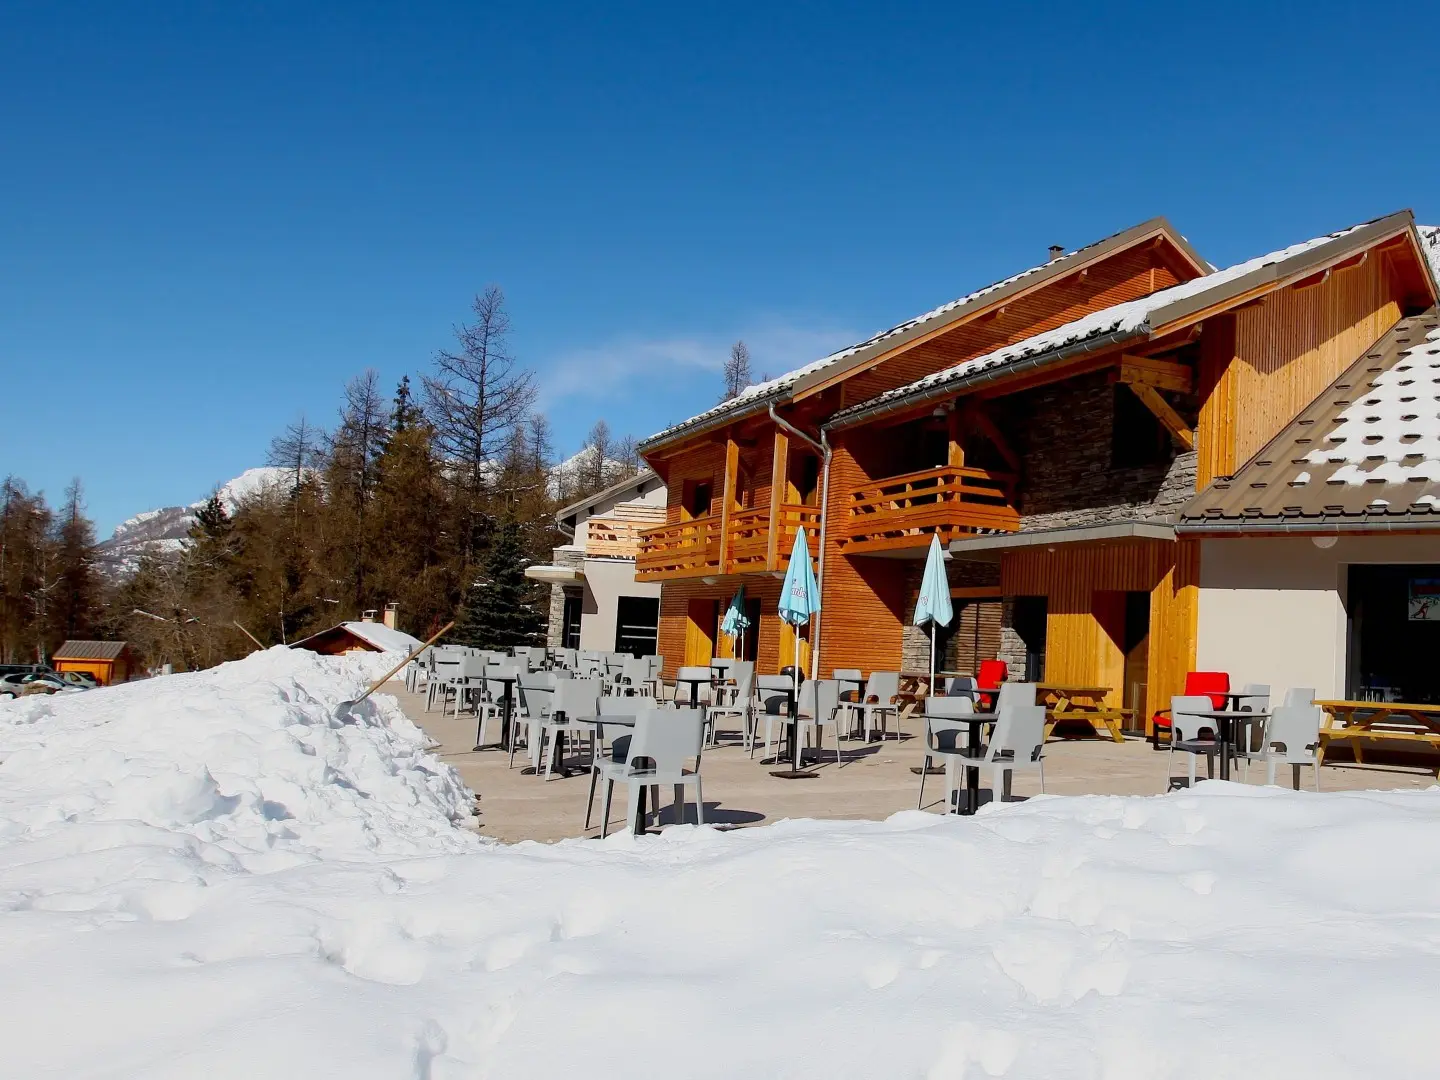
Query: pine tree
(502, 608)
(405, 413)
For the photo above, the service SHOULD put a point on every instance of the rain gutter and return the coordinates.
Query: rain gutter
(825, 449)
(989, 375)
(1305, 528)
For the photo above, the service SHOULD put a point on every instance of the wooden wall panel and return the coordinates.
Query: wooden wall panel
(675, 600)
(703, 461)
(1082, 584)
(1286, 352)
(862, 608)
(1125, 276)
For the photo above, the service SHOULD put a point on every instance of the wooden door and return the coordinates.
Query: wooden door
(700, 631)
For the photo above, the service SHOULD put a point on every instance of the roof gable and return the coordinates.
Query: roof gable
(1167, 309)
(876, 349)
(1366, 451)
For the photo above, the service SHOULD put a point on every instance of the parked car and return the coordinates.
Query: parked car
(36, 682)
(82, 679)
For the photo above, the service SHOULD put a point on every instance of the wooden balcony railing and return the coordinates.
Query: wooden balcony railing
(619, 537)
(684, 549)
(750, 547)
(692, 548)
(904, 511)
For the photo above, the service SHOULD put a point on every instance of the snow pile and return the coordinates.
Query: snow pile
(229, 885)
(246, 761)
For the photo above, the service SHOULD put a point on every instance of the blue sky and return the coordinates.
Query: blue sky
(212, 215)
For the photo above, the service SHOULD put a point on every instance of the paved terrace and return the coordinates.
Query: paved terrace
(875, 782)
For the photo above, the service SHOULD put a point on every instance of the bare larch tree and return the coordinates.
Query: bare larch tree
(477, 393)
(737, 370)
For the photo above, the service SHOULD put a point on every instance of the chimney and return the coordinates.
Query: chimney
(1055, 252)
(391, 610)
(367, 616)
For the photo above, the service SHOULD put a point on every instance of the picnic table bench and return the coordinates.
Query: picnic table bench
(1357, 722)
(1084, 704)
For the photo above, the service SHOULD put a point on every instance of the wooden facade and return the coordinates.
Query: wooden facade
(1119, 612)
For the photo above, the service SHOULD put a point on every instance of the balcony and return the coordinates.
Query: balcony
(903, 512)
(618, 537)
(684, 549)
(750, 549)
(692, 549)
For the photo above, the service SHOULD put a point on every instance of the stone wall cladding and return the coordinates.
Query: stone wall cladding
(1068, 477)
(555, 631)
(915, 640)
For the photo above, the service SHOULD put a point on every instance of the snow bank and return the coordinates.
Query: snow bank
(159, 917)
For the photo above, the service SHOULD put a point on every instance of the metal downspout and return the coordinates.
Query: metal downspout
(825, 451)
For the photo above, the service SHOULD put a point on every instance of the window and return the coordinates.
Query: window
(570, 622)
(1137, 438)
(637, 623)
(805, 478)
(695, 497)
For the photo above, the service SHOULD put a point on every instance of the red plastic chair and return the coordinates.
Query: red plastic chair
(991, 674)
(1213, 684)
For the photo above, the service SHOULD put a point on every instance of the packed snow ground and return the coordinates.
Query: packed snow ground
(205, 875)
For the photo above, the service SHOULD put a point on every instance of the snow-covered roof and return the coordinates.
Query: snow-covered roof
(377, 635)
(382, 637)
(1366, 450)
(765, 393)
(1134, 318)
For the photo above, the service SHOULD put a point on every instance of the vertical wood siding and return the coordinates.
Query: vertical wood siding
(1268, 361)
(1085, 620)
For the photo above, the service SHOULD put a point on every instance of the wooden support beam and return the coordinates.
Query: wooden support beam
(1179, 431)
(779, 477)
(1161, 374)
(1313, 280)
(986, 427)
(727, 500)
(956, 456)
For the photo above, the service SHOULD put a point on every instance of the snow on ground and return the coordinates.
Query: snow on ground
(206, 876)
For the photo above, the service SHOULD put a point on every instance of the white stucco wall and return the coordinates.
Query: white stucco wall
(1272, 610)
(606, 580)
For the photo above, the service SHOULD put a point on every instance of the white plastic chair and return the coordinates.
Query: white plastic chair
(947, 738)
(883, 686)
(741, 705)
(1185, 726)
(1292, 735)
(1018, 742)
(575, 702)
(773, 703)
(1247, 741)
(819, 708)
(656, 754)
(536, 693)
(614, 707)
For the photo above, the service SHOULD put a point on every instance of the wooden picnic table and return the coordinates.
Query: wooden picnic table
(1085, 704)
(1354, 722)
(915, 688)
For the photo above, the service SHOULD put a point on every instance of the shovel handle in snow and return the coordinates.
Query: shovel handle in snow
(346, 706)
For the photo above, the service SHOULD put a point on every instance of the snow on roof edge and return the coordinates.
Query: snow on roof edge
(1129, 316)
(776, 387)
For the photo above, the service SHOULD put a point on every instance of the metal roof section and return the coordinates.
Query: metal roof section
(1136, 319)
(759, 397)
(991, 544)
(89, 650)
(1363, 455)
(638, 481)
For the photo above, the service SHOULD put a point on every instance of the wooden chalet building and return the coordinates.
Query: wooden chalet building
(1050, 428)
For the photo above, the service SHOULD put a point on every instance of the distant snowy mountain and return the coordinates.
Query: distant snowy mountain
(157, 531)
